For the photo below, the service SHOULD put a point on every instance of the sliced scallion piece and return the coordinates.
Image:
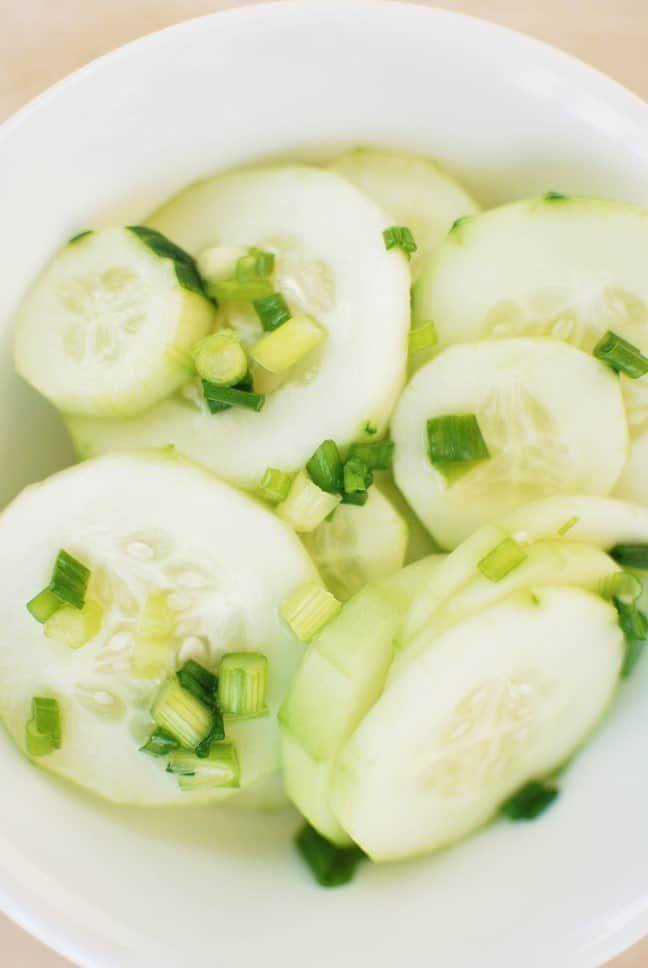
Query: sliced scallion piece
(272, 311)
(221, 398)
(219, 769)
(622, 585)
(455, 439)
(529, 802)
(160, 743)
(255, 265)
(359, 498)
(634, 625)
(215, 735)
(357, 476)
(568, 525)
(422, 337)
(231, 290)
(218, 263)
(69, 580)
(178, 712)
(376, 455)
(503, 559)
(43, 605)
(43, 733)
(242, 681)
(308, 609)
(400, 237)
(307, 505)
(221, 358)
(370, 428)
(621, 356)
(73, 626)
(200, 682)
(275, 485)
(331, 866)
(325, 467)
(285, 346)
(631, 555)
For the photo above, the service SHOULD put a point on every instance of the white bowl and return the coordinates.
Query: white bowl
(132, 889)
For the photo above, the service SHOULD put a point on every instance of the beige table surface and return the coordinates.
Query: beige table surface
(42, 40)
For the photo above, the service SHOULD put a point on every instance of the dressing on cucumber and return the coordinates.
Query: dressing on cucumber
(144, 525)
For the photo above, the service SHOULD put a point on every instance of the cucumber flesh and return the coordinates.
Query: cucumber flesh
(552, 417)
(567, 268)
(346, 280)
(503, 697)
(106, 329)
(554, 562)
(599, 521)
(341, 676)
(413, 191)
(420, 543)
(358, 545)
(144, 524)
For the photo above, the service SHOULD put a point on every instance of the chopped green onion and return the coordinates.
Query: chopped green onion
(219, 769)
(200, 682)
(308, 609)
(568, 525)
(455, 439)
(422, 337)
(179, 713)
(358, 498)
(634, 649)
(75, 627)
(272, 310)
(502, 560)
(151, 657)
(230, 290)
(242, 679)
(215, 735)
(307, 505)
(357, 476)
(220, 398)
(325, 467)
(279, 350)
(159, 743)
(400, 237)
(158, 620)
(43, 605)
(630, 555)
(622, 585)
(218, 263)
(220, 358)
(621, 356)
(555, 197)
(376, 455)
(256, 265)
(331, 866)
(79, 236)
(370, 428)
(529, 802)
(275, 485)
(634, 625)
(43, 731)
(69, 580)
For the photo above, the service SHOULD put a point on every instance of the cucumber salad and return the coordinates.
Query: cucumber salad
(359, 522)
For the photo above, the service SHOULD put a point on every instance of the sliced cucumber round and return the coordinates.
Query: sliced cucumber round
(569, 268)
(413, 191)
(552, 418)
(106, 329)
(600, 521)
(342, 675)
(144, 525)
(492, 703)
(343, 277)
(358, 545)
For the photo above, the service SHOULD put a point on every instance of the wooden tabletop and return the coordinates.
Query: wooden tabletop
(42, 40)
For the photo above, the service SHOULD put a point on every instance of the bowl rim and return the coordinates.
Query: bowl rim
(17, 901)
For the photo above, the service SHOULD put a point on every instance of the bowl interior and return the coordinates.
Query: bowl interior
(110, 886)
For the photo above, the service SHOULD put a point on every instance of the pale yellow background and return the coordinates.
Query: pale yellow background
(42, 40)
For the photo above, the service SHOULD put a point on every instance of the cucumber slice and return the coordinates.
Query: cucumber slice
(604, 522)
(106, 329)
(569, 268)
(414, 191)
(144, 524)
(502, 698)
(552, 417)
(343, 277)
(420, 543)
(358, 545)
(554, 562)
(342, 675)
